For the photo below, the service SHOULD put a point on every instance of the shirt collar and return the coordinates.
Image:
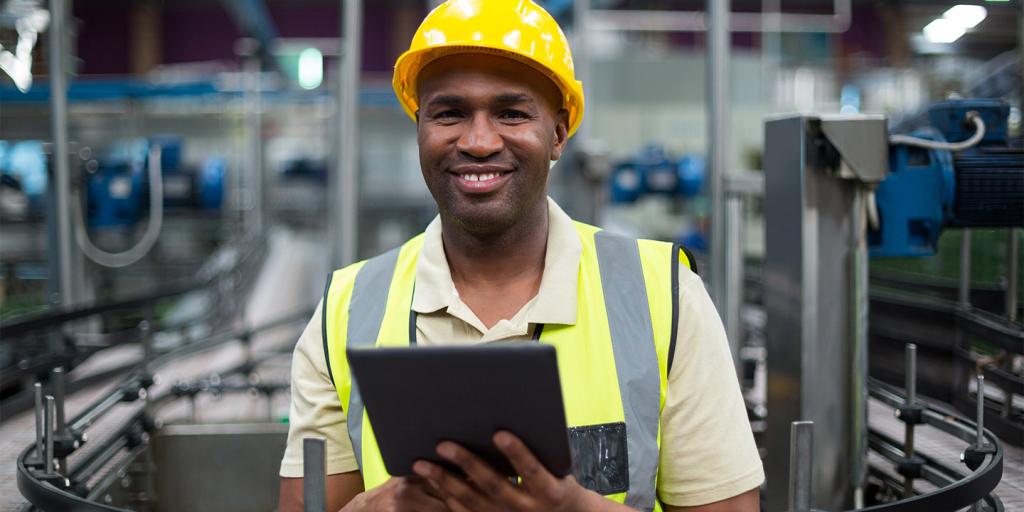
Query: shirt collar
(556, 298)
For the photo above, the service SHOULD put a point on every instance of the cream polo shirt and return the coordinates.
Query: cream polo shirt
(707, 448)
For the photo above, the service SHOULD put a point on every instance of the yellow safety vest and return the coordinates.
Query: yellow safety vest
(613, 363)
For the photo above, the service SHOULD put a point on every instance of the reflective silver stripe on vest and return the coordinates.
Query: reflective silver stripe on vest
(365, 315)
(636, 360)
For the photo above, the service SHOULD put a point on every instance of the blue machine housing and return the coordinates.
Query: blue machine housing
(652, 171)
(118, 191)
(927, 190)
(914, 201)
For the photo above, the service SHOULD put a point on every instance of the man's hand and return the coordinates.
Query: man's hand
(488, 490)
(410, 494)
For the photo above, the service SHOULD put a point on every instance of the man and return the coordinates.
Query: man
(643, 357)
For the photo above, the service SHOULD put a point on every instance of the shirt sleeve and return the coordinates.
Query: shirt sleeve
(707, 448)
(315, 409)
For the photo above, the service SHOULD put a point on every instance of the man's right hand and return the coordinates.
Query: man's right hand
(411, 494)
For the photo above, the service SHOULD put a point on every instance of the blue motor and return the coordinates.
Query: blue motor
(928, 190)
(653, 172)
(118, 190)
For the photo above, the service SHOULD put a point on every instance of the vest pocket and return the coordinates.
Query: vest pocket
(600, 460)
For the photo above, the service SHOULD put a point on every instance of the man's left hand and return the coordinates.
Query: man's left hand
(488, 490)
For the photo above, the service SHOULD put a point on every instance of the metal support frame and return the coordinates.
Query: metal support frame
(254, 139)
(343, 182)
(61, 183)
(718, 142)
(964, 300)
(815, 295)
(696, 21)
(314, 470)
(801, 459)
(1012, 273)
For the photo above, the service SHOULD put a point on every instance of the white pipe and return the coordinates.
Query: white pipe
(153, 228)
(696, 21)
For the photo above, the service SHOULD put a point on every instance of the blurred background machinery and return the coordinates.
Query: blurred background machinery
(169, 206)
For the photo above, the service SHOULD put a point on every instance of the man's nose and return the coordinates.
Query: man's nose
(480, 139)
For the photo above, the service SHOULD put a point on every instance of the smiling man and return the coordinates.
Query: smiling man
(655, 413)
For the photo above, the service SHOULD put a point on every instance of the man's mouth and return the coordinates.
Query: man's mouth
(481, 177)
(480, 180)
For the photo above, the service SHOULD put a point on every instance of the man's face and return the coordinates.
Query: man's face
(487, 130)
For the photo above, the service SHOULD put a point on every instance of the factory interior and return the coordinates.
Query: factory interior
(180, 178)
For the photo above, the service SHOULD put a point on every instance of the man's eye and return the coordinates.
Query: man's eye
(448, 114)
(514, 114)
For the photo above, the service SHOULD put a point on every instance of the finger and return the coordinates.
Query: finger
(451, 486)
(412, 494)
(494, 485)
(534, 474)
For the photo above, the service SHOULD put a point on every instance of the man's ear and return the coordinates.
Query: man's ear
(561, 134)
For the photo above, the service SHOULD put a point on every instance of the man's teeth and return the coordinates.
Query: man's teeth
(481, 177)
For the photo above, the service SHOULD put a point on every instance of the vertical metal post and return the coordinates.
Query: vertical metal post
(980, 439)
(964, 292)
(57, 381)
(343, 183)
(58, 53)
(1012, 274)
(37, 389)
(314, 470)
(718, 144)
(733, 274)
(254, 138)
(908, 427)
(581, 58)
(801, 460)
(48, 415)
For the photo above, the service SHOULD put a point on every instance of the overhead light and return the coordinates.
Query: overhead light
(967, 16)
(943, 30)
(311, 68)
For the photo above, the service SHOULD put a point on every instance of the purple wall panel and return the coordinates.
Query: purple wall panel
(102, 37)
(198, 32)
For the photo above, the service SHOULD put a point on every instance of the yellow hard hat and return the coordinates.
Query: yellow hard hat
(517, 29)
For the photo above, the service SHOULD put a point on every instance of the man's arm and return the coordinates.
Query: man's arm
(341, 489)
(749, 501)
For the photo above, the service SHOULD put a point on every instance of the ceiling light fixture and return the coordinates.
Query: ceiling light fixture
(967, 16)
(943, 31)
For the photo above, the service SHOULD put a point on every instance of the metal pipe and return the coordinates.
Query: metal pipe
(48, 435)
(979, 440)
(696, 21)
(1012, 274)
(581, 61)
(911, 373)
(254, 138)
(908, 428)
(980, 432)
(344, 187)
(314, 472)
(57, 377)
(964, 291)
(718, 137)
(801, 449)
(59, 124)
(37, 389)
(733, 274)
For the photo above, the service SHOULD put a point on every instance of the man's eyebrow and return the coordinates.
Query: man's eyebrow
(445, 99)
(512, 98)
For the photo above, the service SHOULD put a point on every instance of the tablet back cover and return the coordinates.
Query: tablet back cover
(418, 396)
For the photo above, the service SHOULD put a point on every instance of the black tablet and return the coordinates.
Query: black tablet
(417, 397)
